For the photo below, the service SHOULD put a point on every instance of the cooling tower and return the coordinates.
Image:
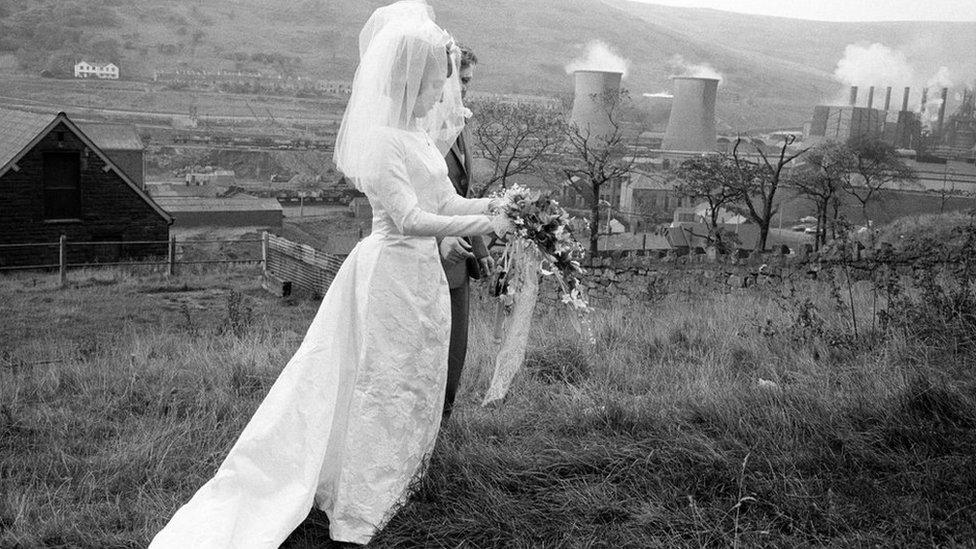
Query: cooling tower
(691, 126)
(593, 89)
(657, 108)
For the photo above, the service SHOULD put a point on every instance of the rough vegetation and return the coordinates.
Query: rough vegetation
(838, 412)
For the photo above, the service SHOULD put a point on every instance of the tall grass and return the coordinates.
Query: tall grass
(753, 418)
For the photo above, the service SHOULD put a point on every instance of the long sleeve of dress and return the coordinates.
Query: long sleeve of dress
(391, 189)
(455, 204)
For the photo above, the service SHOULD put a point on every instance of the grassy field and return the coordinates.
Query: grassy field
(754, 418)
(146, 98)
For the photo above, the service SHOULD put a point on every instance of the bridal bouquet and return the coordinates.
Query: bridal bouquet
(541, 227)
(541, 243)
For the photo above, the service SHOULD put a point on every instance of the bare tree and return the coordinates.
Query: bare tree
(756, 183)
(516, 138)
(598, 158)
(874, 167)
(708, 178)
(821, 181)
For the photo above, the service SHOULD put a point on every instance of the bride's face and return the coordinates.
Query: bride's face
(431, 89)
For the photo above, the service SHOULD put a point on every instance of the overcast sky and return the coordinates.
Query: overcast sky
(842, 10)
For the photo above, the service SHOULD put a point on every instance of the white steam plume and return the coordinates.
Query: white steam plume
(680, 67)
(599, 56)
(880, 66)
(940, 79)
(873, 65)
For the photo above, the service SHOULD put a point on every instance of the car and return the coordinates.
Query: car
(809, 220)
(799, 228)
(810, 230)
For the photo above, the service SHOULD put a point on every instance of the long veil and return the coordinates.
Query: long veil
(400, 48)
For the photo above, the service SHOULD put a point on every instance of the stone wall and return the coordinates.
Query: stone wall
(623, 280)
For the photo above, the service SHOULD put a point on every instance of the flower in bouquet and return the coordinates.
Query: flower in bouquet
(541, 228)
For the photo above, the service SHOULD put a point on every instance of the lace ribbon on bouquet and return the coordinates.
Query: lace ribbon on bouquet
(539, 243)
(513, 317)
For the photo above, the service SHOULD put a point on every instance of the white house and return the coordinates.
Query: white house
(84, 69)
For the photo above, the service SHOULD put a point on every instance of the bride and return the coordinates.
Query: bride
(354, 414)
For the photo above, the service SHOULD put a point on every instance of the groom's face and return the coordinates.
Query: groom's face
(466, 74)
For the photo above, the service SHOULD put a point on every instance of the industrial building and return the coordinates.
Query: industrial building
(239, 210)
(952, 137)
(959, 132)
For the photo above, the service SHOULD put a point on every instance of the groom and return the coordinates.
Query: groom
(462, 258)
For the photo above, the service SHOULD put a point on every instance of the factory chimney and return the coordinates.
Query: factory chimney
(888, 98)
(942, 108)
(904, 101)
(594, 89)
(870, 97)
(925, 98)
(853, 101)
(691, 126)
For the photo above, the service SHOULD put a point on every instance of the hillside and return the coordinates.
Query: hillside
(774, 69)
(813, 45)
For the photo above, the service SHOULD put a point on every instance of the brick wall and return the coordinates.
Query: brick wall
(110, 210)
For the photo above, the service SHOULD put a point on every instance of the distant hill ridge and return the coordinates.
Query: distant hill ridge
(775, 69)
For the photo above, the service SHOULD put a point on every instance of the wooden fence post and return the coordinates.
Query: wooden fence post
(264, 253)
(63, 261)
(171, 257)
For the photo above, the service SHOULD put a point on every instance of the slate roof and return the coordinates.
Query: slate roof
(96, 64)
(113, 137)
(21, 130)
(236, 203)
(17, 130)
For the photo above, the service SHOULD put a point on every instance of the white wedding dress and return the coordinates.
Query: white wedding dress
(353, 416)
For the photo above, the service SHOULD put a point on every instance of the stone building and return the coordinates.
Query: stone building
(55, 180)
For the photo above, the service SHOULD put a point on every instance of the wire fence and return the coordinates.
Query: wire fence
(171, 254)
(289, 264)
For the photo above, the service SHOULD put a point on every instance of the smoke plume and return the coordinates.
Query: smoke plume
(878, 65)
(940, 79)
(873, 65)
(599, 56)
(679, 67)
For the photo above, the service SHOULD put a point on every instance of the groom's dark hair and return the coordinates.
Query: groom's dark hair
(468, 57)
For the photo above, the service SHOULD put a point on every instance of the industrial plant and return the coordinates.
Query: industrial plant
(937, 141)
(952, 138)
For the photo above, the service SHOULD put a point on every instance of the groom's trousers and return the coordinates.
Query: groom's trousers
(458, 348)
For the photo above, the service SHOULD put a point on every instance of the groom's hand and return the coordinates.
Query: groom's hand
(454, 250)
(487, 265)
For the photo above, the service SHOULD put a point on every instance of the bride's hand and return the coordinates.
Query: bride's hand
(496, 204)
(501, 225)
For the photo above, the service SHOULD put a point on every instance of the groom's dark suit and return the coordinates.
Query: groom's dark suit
(459, 275)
